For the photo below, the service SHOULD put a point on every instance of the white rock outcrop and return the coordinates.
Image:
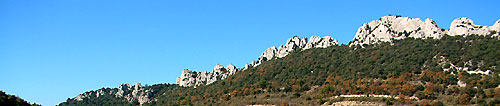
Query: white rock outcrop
(269, 54)
(139, 93)
(231, 69)
(135, 93)
(318, 42)
(496, 27)
(189, 78)
(391, 27)
(465, 26)
(293, 44)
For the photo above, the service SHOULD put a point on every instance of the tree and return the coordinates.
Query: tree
(464, 99)
(284, 103)
(408, 89)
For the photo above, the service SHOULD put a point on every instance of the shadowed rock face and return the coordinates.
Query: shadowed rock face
(392, 27)
(189, 78)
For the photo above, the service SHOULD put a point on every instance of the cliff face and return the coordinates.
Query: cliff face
(190, 78)
(393, 27)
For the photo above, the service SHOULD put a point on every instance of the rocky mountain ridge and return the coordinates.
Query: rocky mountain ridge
(190, 78)
(128, 92)
(293, 44)
(394, 27)
(386, 29)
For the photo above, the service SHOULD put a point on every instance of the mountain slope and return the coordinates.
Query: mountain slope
(380, 67)
(383, 69)
(12, 100)
(126, 94)
(386, 29)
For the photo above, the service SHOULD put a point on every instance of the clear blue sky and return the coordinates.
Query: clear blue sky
(54, 50)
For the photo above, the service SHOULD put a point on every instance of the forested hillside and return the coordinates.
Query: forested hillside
(108, 96)
(447, 71)
(12, 100)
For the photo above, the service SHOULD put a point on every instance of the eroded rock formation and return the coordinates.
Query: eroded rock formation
(190, 78)
(393, 27)
(126, 91)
